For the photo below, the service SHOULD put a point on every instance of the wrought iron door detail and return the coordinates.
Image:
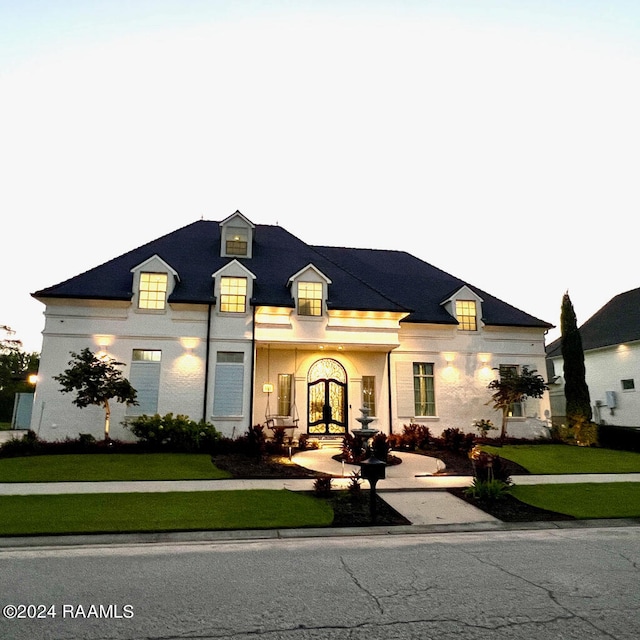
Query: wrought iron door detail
(327, 398)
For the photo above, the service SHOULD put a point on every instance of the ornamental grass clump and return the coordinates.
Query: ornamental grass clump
(491, 479)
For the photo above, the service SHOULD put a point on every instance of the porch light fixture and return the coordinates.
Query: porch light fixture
(267, 387)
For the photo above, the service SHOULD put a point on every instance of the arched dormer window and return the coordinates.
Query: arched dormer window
(310, 289)
(466, 307)
(236, 237)
(153, 283)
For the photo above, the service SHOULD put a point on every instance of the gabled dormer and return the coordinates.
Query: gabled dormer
(466, 307)
(236, 237)
(310, 291)
(233, 288)
(153, 283)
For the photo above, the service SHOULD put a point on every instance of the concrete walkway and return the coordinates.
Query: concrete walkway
(410, 488)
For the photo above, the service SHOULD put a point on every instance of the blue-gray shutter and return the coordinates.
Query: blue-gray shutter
(228, 390)
(145, 379)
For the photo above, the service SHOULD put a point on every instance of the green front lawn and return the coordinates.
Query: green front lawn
(562, 458)
(174, 511)
(584, 500)
(109, 466)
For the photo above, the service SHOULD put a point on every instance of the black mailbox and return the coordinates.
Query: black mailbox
(373, 470)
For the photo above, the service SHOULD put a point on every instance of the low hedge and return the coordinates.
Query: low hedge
(621, 438)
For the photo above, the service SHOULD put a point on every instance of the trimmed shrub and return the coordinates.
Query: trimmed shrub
(322, 486)
(487, 466)
(169, 433)
(380, 447)
(415, 436)
(457, 441)
(621, 438)
(353, 448)
(28, 445)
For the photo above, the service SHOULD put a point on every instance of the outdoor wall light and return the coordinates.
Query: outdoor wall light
(104, 341)
(189, 344)
(267, 387)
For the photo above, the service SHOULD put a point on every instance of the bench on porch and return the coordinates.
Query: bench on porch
(285, 423)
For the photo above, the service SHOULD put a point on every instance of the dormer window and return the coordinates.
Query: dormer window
(233, 295)
(467, 314)
(310, 298)
(237, 241)
(153, 283)
(236, 237)
(153, 291)
(465, 305)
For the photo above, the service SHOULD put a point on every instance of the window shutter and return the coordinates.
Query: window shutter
(404, 389)
(145, 379)
(227, 391)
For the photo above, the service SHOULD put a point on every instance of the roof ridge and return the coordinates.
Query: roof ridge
(318, 248)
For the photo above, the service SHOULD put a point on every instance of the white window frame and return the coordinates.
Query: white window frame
(234, 298)
(152, 291)
(421, 386)
(310, 298)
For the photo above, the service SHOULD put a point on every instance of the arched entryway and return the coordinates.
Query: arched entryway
(327, 398)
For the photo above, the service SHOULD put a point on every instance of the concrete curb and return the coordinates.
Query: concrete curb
(100, 540)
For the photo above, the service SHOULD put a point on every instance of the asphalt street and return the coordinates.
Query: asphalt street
(581, 583)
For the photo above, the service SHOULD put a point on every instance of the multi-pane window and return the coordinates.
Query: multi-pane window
(233, 295)
(369, 394)
(153, 291)
(466, 315)
(424, 396)
(284, 394)
(310, 298)
(516, 410)
(236, 241)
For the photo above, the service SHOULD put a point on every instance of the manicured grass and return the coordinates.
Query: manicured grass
(128, 512)
(561, 458)
(109, 466)
(584, 500)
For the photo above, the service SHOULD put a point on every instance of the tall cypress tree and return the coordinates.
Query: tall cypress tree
(576, 391)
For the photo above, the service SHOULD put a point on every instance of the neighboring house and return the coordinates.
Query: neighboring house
(236, 323)
(611, 345)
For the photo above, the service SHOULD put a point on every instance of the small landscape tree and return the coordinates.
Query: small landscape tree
(96, 381)
(512, 387)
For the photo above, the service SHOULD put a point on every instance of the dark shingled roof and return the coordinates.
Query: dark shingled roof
(615, 323)
(361, 279)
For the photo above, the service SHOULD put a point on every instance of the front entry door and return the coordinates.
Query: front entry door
(327, 398)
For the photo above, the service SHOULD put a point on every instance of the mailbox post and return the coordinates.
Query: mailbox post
(373, 470)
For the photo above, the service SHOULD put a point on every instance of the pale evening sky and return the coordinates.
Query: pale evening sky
(497, 140)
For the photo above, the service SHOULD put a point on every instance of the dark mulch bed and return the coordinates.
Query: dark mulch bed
(270, 466)
(354, 509)
(510, 509)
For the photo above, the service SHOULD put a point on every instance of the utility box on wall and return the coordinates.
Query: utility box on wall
(611, 399)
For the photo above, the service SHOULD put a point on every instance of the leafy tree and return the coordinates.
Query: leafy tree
(576, 391)
(7, 343)
(15, 368)
(512, 387)
(96, 381)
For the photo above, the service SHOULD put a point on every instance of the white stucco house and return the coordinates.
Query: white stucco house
(235, 322)
(611, 345)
